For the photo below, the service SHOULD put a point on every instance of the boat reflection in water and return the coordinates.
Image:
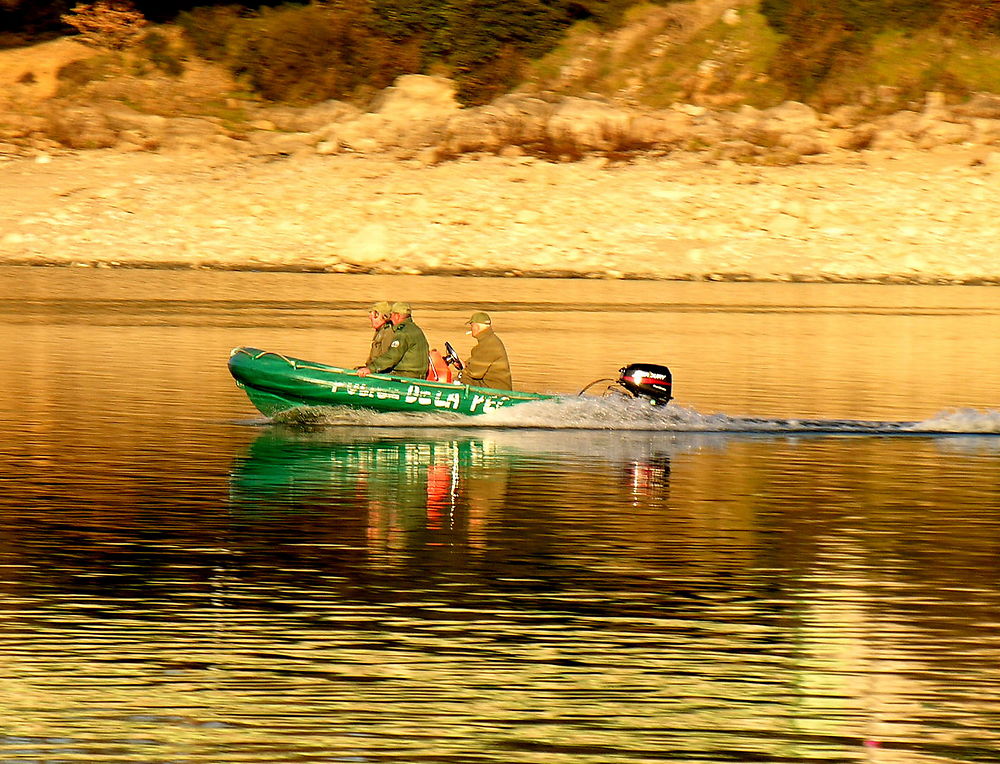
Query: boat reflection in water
(441, 481)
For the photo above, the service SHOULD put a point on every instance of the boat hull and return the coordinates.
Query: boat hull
(275, 383)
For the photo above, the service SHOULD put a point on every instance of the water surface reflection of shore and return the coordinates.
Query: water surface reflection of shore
(179, 586)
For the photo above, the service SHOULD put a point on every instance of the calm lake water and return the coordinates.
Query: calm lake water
(182, 582)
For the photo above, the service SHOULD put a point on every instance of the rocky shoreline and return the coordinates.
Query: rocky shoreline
(418, 186)
(929, 217)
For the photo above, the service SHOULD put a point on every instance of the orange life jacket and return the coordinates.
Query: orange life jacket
(437, 369)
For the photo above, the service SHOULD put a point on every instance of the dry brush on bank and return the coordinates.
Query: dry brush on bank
(419, 117)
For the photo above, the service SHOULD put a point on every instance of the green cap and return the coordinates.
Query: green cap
(400, 307)
(479, 318)
(382, 307)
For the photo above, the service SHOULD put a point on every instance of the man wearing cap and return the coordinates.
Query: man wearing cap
(488, 365)
(378, 315)
(407, 354)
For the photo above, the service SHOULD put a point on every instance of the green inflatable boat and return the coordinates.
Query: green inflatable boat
(275, 383)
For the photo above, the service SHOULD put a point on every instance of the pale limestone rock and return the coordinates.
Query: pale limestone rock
(935, 104)
(407, 117)
(855, 139)
(481, 129)
(944, 133)
(981, 105)
(986, 131)
(226, 145)
(326, 148)
(784, 224)
(14, 125)
(705, 131)
(310, 119)
(708, 68)
(80, 127)
(281, 144)
(745, 118)
(803, 145)
(428, 156)
(368, 246)
(526, 116)
(909, 123)
(692, 110)
(663, 129)
(122, 118)
(417, 96)
(512, 120)
(735, 150)
(795, 207)
(327, 132)
(846, 116)
(132, 140)
(192, 126)
(191, 134)
(412, 137)
(790, 117)
(360, 135)
(891, 140)
(886, 95)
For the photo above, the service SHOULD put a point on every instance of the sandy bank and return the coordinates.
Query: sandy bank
(925, 217)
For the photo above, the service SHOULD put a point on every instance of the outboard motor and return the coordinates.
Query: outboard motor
(647, 380)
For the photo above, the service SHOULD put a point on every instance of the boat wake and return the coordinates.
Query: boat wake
(627, 414)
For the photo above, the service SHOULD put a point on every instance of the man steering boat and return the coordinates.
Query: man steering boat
(488, 365)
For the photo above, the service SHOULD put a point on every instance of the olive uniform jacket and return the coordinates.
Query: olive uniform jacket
(488, 365)
(380, 342)
(407, 355)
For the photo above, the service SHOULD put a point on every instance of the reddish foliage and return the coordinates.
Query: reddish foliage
(110, 24)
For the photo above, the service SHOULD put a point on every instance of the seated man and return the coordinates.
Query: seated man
(378, 316)
(407, 354)
(488, 365)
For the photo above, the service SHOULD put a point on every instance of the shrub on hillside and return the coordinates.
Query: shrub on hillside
(77, 74)
(485, 80)
(161, 54)
(864, 17)
(824, 39)
(817, 39)
(207, 29)
(107, 24)
(977, 17)
(312, 53)
(490, 41)
(337, 48)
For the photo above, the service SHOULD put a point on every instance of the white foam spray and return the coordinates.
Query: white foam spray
(633, 415)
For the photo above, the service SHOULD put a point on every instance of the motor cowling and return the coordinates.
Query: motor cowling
(647, 380)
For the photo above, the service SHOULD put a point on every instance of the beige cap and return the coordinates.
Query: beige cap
(382, 307)
(401, 307)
